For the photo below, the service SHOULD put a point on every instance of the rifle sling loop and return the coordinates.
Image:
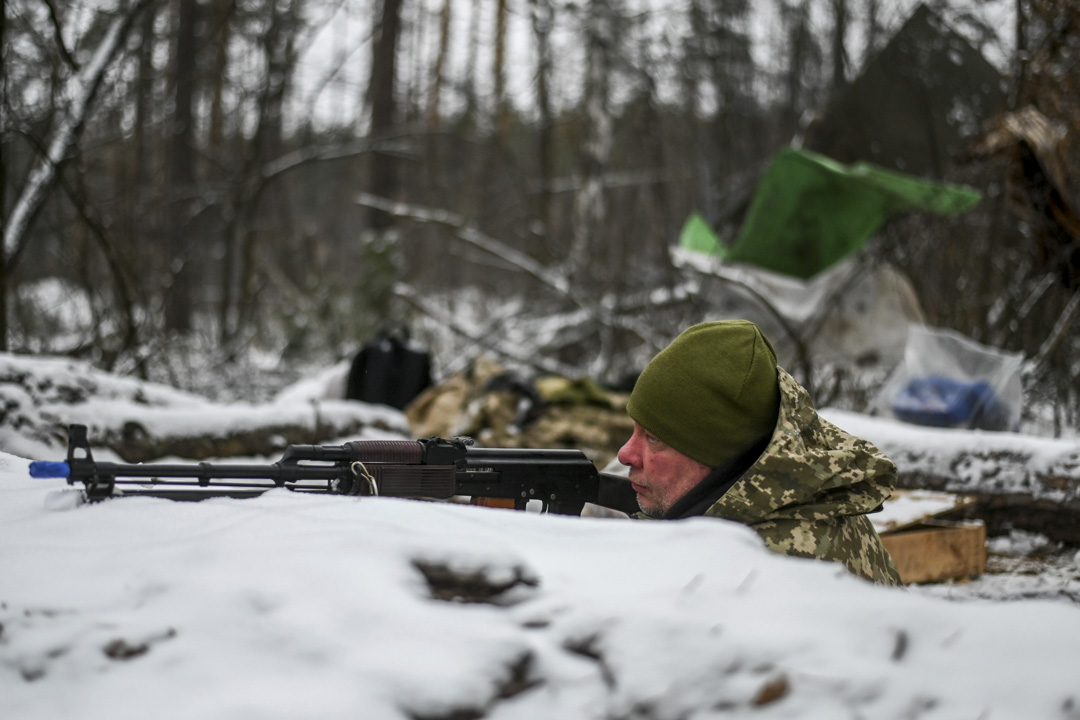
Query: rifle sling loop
(361, 471)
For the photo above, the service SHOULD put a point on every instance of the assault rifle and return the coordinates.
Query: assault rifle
(433, 468)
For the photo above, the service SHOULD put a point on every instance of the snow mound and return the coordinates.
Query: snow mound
(292, 606)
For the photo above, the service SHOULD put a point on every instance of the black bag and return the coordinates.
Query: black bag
(389, 371)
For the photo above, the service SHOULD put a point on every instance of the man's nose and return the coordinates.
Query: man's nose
(628, 454)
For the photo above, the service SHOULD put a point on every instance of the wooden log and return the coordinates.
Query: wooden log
(937, 550)
(265, 435)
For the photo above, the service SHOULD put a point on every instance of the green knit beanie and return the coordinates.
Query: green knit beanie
(710, 394)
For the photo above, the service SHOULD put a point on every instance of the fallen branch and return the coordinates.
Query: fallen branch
(490, 341)
(528, 265)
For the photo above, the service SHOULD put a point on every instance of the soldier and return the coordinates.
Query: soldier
(721, 431)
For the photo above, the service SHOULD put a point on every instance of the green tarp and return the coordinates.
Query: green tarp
(810, 212)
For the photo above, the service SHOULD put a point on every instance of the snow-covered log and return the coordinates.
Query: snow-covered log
(140, 421)
(1020, 481)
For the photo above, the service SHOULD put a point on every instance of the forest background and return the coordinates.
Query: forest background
(214, 183)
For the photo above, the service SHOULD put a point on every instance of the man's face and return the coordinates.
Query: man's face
(660, 474)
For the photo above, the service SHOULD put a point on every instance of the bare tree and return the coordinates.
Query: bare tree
(219, 35)
(438, 72)
(249, 244)
(872, 28)
(601, 34)
(181, 168)
(719, 67)
(80, 91)
(383, 103)
(502, 114)
(804, 60)
(144, 101)
(3, 173)
(839, 45)
(542, 16)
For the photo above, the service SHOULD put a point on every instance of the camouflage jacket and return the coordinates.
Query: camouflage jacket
(808, 493)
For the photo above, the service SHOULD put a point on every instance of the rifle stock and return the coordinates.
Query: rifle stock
(562, 481)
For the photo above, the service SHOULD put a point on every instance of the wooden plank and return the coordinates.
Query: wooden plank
(938, 550)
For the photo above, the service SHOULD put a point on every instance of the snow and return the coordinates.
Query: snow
(1012, 571)
(302, 606)
(293, 605)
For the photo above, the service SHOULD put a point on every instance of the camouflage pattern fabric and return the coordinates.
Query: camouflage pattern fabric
(808, 494)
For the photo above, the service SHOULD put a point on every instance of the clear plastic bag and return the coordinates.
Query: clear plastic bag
(948, 380)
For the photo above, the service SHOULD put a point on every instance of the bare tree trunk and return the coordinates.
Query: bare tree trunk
(839, 45)
(732, 66)
(471, 194)
(438, 72)
(219, 36)
(590, 203)
(803, 56)
(3, 181)
(179, 301)
(502, 114)
(144, 98)
(658, 199)
(1020, 54)
(471, 99)
(873, 28)
(383, 179)
(542, 21)
(279, 48)
(141, 217)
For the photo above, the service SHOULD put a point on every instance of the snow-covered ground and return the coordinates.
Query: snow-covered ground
(302, 606)
(313, 606)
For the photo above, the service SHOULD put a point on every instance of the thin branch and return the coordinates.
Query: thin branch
(471, 235)
(310, 154)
